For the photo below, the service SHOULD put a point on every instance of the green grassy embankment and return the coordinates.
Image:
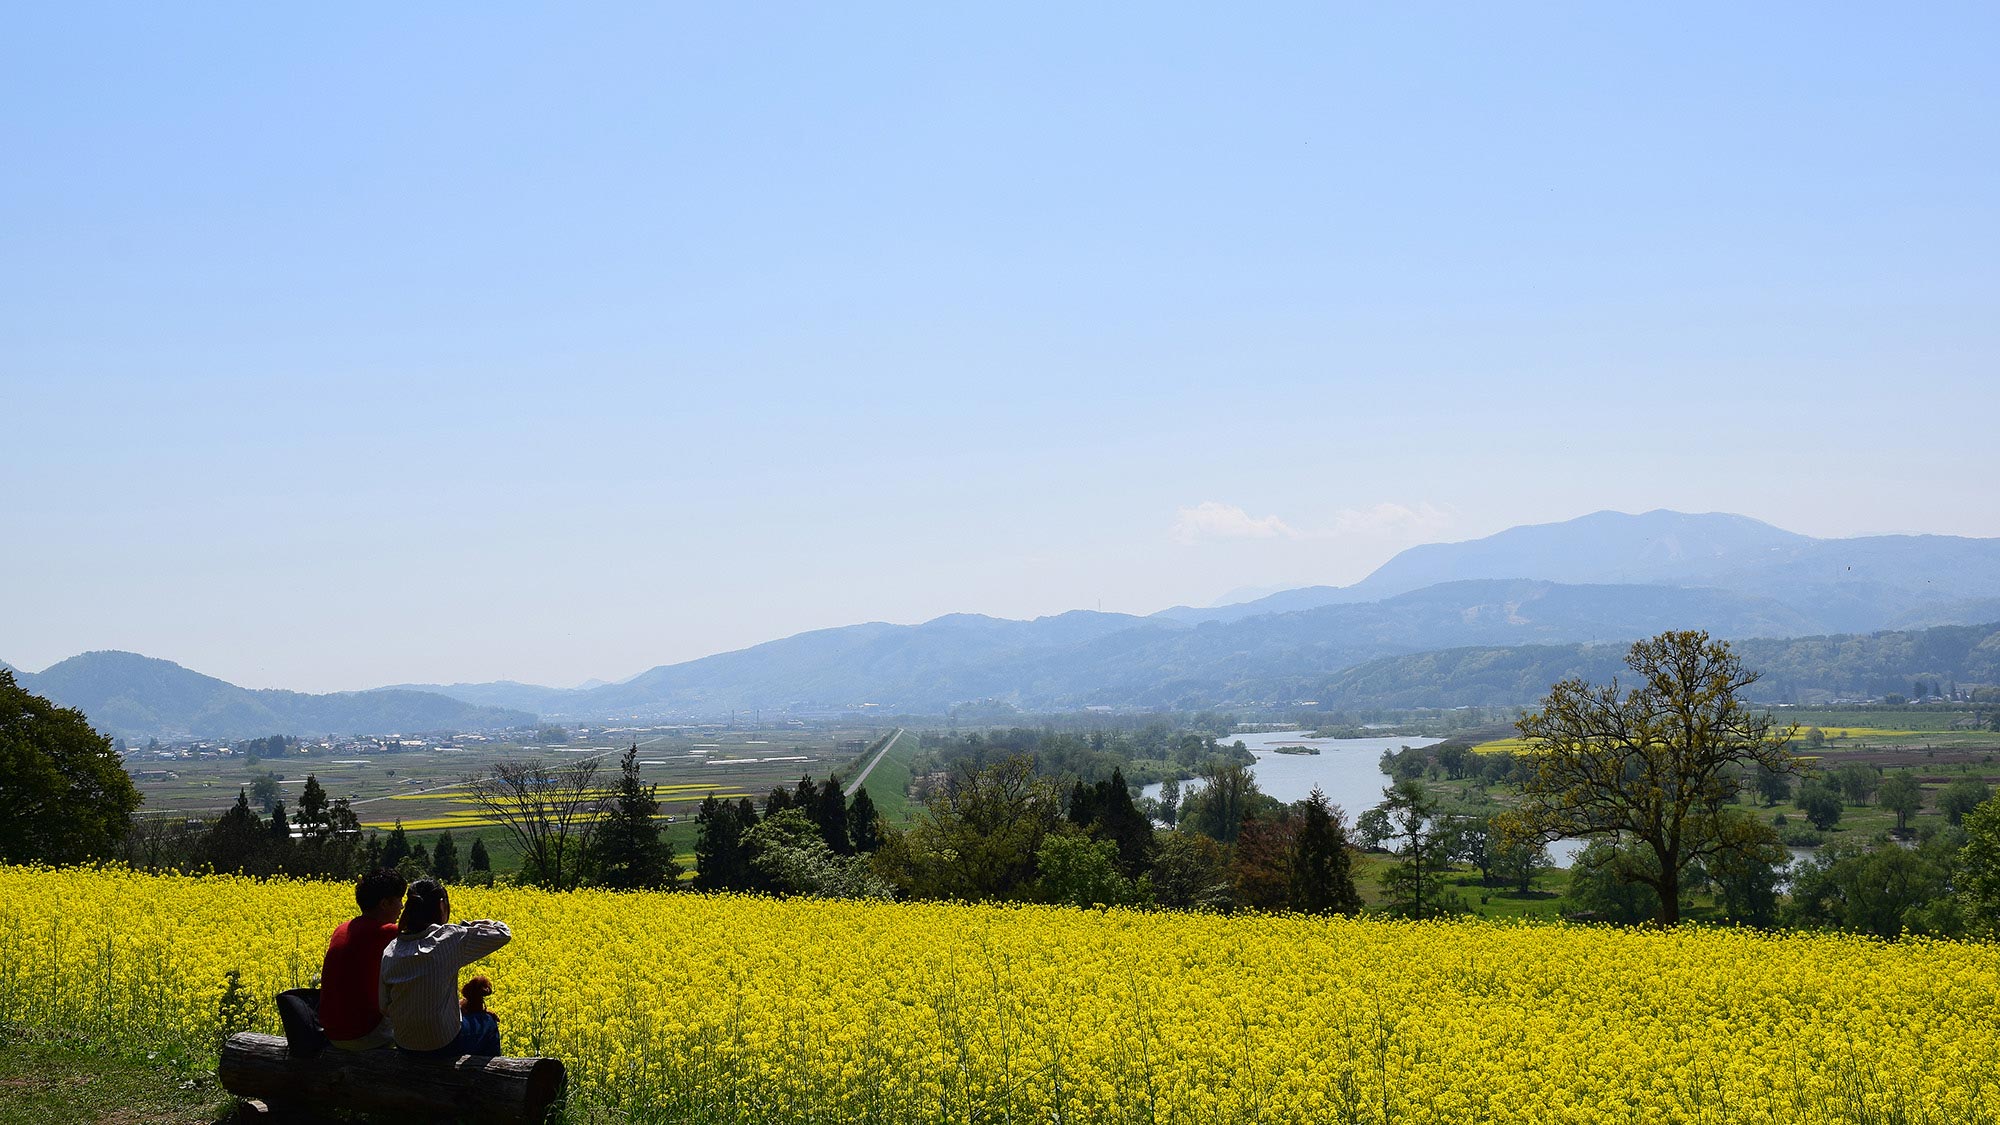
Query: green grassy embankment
(888, 783)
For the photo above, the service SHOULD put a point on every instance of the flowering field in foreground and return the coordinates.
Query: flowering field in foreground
(733, 1009)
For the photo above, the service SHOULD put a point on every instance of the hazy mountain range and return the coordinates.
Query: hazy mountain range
(1600, 579)
(138, 697)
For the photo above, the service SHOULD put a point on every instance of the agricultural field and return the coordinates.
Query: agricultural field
(1933, 757)
(727, 1009)
(1853, 730)
(426, 788)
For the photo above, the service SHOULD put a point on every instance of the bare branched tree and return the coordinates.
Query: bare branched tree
(549, 810)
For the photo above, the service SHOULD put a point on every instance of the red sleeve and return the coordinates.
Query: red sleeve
(348, 979)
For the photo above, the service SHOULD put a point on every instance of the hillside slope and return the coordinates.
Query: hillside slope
(1085, 659)
(139, 697)
(1796, 669)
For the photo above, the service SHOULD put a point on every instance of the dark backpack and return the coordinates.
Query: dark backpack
(298, 1010)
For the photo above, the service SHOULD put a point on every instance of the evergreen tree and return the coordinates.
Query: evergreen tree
(478, 858)
(444, 859)
(864, 824)
(779, 800)
(281, 840)
(416, 865)
(1121, 822)
(1082, 805)
(341, 858)
(626, 850)
(830, 813)
(312, 804)
(1322, 870)
(371, 853)
(721, 855)
(397, 849)
(1105, 811)
(237, 841)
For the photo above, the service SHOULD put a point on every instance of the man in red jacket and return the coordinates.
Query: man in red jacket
(349, 1009)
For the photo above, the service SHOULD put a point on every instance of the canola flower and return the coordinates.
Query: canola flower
(467, 812)
(722, 1008)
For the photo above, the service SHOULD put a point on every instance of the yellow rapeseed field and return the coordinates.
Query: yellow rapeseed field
(743, 1009)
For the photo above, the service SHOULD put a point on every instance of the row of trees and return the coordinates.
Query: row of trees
(1005, 832)
(810, 839)
(568, 831)
(1154, 751)
(1946, 885)
(320, 840)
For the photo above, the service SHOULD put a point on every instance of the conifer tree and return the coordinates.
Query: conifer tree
(722, 856)
(1105, 811)
(829, 811)
(1322, 869)
(397, 848)
(477, 858)
(444, 859)
(237, 841)
(312, 805)
(627, 852)
(281, 832)
(864, 824)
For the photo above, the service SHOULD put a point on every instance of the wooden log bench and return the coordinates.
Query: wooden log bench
(262, 1071)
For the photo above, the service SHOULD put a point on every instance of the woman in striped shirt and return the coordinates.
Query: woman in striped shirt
(419, 983)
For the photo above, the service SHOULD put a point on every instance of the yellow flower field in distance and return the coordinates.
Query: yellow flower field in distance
(1834, 734)
(720, 1008)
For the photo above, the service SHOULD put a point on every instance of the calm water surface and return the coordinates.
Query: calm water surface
(1347, 770)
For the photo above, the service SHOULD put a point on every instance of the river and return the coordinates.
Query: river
(1347, 770)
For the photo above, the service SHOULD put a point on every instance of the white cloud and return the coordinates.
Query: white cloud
(1214, 520)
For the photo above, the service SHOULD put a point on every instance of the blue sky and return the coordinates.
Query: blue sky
(356, 346)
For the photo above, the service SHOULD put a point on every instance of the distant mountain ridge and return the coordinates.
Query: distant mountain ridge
(1084, 659)
(1605, 578)
(1852, 585)
(1608, 576)
(136, 696)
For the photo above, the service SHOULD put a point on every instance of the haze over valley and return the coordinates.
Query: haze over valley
(1489, 622)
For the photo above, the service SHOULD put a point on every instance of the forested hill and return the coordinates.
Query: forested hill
(1094, 659)
(1841, 585)
(136, 696)
(1799, 669)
